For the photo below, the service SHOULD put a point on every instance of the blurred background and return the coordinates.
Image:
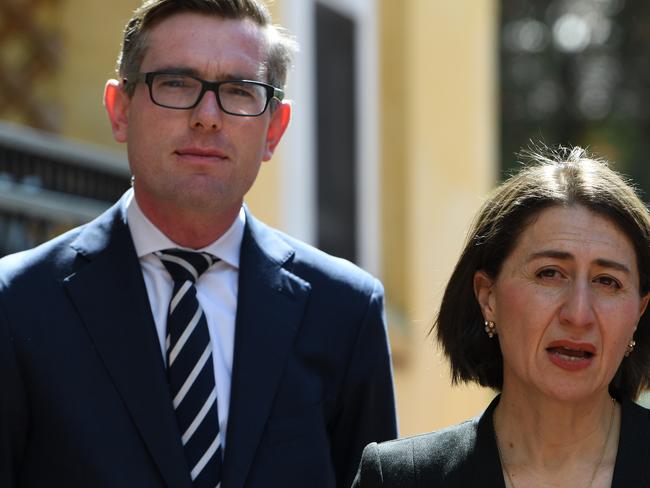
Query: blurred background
(406, 114)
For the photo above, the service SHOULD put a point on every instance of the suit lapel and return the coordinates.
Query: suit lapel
(110, 296)
(271, 303)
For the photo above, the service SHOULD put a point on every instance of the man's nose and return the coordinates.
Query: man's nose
(207, 114)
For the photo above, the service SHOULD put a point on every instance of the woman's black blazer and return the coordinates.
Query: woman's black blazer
(466, 455)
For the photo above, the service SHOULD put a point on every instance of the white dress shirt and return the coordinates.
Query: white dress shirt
(216, 291)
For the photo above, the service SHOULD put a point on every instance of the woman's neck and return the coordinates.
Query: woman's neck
(544, 441)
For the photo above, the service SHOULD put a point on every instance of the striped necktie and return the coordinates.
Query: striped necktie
(190, 369)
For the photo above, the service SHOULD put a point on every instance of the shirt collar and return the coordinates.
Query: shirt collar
(147, 238)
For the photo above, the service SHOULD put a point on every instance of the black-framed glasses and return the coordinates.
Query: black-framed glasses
(245, 98)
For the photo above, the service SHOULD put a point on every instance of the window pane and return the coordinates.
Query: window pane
(336, 129)
(577, 73)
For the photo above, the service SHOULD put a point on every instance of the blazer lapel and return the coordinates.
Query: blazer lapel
(110, 296)
(271, 303)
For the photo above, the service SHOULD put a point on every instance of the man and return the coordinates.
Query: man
(126, 359)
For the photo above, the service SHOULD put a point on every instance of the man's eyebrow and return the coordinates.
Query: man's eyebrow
(177, 70)
(180, 70)
(565, 256)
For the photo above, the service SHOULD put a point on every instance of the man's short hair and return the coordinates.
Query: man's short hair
(281, 46)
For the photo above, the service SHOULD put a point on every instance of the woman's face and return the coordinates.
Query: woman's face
(566, 303)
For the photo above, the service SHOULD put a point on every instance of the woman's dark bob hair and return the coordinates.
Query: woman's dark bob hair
(563, 177)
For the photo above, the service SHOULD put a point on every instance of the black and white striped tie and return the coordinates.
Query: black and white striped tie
(190, 368)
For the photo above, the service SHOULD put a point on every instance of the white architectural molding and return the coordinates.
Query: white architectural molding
(299, 192)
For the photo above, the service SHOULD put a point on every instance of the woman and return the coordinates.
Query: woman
(547, 305)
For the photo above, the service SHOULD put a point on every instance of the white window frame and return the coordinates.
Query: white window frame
(298, 194)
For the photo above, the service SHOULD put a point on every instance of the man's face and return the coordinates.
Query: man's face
(200, 159)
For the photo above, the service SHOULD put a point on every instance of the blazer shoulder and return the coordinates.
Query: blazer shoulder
(46, 258)
(442, 453)
(60, 256)
(386, 464)
(435, 457)
(308, 262)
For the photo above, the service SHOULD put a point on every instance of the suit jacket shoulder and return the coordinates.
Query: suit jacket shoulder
(49, 256)
(60, 256)
(306, 261)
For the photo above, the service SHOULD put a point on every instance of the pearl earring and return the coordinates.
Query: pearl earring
(490, 328)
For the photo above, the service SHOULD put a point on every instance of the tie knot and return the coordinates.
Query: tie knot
(185, 265)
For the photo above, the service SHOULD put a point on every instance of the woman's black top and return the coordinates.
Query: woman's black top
(466, 455)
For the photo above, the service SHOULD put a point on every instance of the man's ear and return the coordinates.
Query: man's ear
(117, 103)
(279, 122)
(484, 293)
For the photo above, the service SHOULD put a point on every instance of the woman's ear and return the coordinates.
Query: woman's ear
(644, 304)
(484, 293)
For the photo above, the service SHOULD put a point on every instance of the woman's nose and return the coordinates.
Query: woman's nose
(577, 307)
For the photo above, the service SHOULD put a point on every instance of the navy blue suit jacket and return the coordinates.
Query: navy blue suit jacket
(84, 400)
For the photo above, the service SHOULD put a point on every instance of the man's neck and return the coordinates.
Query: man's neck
(187, 227)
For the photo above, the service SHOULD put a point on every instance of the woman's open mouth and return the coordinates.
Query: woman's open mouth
(571, 356)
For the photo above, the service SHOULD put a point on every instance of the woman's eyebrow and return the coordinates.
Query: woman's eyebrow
(565, 256)
(608, 263)
(550, 253)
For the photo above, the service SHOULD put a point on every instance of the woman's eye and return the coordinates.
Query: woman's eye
(608, 281)
(547, 273)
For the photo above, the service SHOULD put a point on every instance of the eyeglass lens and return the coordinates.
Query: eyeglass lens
(180, 91)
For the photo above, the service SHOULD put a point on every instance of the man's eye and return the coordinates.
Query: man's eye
(173, 83)
(238, 91)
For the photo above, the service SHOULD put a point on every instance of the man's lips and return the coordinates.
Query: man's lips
(201, 153)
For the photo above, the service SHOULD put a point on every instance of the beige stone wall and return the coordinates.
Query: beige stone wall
(439, 160)
(92, 32)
